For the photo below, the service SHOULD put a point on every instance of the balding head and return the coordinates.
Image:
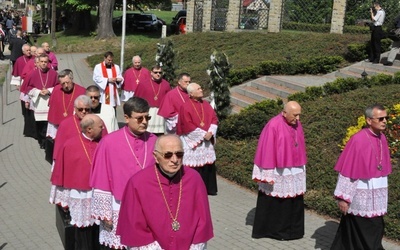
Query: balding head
(92, 126)
(292, 112)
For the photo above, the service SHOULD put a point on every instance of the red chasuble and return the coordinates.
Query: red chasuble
(133, 77)
(153, 92)
(144, 217)
(172, 102)
(72, 168)
(194, 114)
(61, 104)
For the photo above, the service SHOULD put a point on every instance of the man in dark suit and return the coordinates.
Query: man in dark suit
(15, 47)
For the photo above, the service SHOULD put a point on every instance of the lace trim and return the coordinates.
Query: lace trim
(80, 211)
(363, 202)
(155, 246)
(111, 239)
(284, 186)
(102, 205)
(197, 152)
(59, 196)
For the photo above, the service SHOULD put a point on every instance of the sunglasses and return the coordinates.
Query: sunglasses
(381, 118)
(157, 72)
(95, 97)
(168, 155)
(81, 109)
(141, 118)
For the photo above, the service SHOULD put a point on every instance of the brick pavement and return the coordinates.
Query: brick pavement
(27, 220)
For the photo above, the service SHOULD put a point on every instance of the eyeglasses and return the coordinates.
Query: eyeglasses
(81, 109)
(381, 118)
(168, 155)
(141, 118)
(95, 97)
(157, 72)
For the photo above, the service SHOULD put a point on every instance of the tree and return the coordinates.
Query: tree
(218, 72)
(166, 59)
(104, 27)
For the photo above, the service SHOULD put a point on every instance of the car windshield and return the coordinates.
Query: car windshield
(145, 18)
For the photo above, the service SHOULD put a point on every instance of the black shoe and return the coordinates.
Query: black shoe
(375, 62)
(369, 60)
(388, 64)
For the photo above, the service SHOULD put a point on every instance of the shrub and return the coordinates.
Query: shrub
(249, 122)
(325, 121)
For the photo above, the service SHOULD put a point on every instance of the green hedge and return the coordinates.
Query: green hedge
(317, 65)
(325, 121)
(325, 28)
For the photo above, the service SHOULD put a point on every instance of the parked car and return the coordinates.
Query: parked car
(220, 23)
(130, 19)
(148, 22)
(249, 23)
(174, 27)
(142, 21)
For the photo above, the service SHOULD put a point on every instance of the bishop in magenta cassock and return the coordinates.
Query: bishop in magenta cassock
(20, 63)
(172, 102)
(119, 156)
(61, 103)
(133, 77)
(362, 186)
(197, 127)
(70, 181)
(154, 92)
(280, 171)
(39, 85)
(165, 206)
(70, 125)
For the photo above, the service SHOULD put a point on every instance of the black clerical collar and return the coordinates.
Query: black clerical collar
(97, 109)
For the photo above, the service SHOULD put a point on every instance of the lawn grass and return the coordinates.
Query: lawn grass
(193, 50)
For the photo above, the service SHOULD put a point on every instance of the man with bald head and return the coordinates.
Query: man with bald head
(197, 127)
(133, 77)
(182, 219)
(52, 57)
(280, 171)
(70, 181)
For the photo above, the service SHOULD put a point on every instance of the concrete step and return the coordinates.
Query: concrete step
(283, 81)
(372, 71)
(277, 90)
(255, 93)
(235, 109)
(241, 100)
(343, 73)
(382, 68)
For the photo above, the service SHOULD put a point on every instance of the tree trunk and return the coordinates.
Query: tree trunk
(104, 28)
(81, 22)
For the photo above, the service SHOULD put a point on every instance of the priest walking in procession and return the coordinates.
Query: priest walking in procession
(119, 156)
(362, 187)
(280, 171)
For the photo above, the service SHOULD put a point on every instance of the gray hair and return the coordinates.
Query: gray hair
(191, 87)
(84, 99)
(369, 110)
(66, 72)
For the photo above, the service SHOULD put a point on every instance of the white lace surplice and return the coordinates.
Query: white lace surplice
(288, 182)
(198, 152)
(367, 198)
(106, 207)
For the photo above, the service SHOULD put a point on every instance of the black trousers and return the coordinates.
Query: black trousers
(41, 130)
(376, 46)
